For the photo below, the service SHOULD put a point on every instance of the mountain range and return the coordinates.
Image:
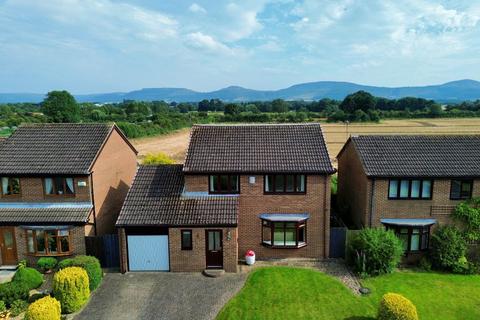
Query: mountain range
(454, 91)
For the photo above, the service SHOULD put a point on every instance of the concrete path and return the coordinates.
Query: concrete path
(161, 296)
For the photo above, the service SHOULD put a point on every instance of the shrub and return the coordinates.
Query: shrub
(30, 276)
(70, 287)
(447, 248)
(90, 264)
(375, 251)
(46, 263)
(47, 308)
(425, 264)
(158, 158)
(3, 308)
(22, 264)
(11, 291)
(17, 307)
(396, 307)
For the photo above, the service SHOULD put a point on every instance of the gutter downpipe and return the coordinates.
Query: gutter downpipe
(92, 196)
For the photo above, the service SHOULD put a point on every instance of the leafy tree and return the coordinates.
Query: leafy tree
(232, 109)
(468, 212)
(204, 106)
(279, 106)
(60, 106)
(435, 110)
(360, 100)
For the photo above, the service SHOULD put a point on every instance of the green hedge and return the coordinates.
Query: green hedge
(11, 291)
(90, 264)
(29, 276)
(70, 287)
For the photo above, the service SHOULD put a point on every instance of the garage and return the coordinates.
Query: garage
(148, 253)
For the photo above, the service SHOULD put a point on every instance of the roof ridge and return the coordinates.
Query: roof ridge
(257, 124)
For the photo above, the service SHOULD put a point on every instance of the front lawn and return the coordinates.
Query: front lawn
(289, 293)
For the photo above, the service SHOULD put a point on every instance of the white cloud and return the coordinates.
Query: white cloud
(242, 20)
(206, 42)
(196, 8)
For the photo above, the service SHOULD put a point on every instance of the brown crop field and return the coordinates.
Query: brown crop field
(336, 134)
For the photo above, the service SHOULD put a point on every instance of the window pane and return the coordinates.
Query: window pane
(415, 242)
(466, 189)
(186, 239)
(300, 183)
(235, 183)
(415, 189)
(404, 188)
(218, 240)
(59, 185)
(426, 188)
(5, 186)
(301, 234)
(211, 242)
(278, 234)
(290, 183)
(279, 183)
(40, 241)
(455, 189)
(404, 238)
(425, 241)
(52, 241)
(267, 233)
(223, 183)
(69, 186)
(393, 189)
(65, 245)
(290, 234)
(268, 183)
(48, 186)
(31, 248)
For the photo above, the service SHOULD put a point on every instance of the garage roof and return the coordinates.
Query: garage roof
(156, 199)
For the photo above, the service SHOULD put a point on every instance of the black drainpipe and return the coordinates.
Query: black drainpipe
(372, 198)
(92, 195)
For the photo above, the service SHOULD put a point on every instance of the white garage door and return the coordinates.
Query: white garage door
(148, 253)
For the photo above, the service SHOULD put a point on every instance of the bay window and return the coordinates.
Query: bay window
(59, 186)
(412, 189)
(414, 238)
(48, 242)
(284, 234)
(461, 189)
(224, 183)
(285, 183)
(10, 186)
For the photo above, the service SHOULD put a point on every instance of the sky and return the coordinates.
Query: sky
(88, 46)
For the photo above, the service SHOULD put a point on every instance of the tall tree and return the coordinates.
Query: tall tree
(60, 106)
(279, 105)
(360, 100)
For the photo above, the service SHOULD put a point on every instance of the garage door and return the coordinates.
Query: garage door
(148, 253)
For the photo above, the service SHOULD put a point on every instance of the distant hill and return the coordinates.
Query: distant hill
(454, 91)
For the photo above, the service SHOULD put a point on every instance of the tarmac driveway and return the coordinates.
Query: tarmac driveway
(160, 295)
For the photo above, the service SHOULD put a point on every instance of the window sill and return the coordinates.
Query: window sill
(269, 245)
(63, 254)
(284, 193)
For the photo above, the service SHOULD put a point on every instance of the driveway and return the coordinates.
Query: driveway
(160, 296)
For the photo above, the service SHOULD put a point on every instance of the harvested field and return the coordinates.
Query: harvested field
(336, 134)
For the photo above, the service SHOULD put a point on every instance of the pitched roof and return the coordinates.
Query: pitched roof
(44, 215)
(258, 148)
(155, 199)
(53, 148)
(419, 156)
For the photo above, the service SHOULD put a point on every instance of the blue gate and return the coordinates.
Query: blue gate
(338, 242)
(105, 248)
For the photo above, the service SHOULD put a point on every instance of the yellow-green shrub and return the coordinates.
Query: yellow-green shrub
(396, 307)
(46, 308)
(71, 288)
(158, 158)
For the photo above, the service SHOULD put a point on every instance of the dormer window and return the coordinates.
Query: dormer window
(59, 186)
(224, 184)
(10, 186)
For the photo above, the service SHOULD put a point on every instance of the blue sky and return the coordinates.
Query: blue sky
(88, 46)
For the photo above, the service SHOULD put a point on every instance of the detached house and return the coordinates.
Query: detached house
(60, 183)
(243, 187)
(407, 183)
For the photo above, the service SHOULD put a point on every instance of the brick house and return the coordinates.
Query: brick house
(243, 187)
(407, 183)
(60, 183)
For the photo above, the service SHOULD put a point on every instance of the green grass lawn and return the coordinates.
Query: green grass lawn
(294, 293)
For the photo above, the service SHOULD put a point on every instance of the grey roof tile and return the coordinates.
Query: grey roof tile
(419, 156)
(44, 215)
(258, 148)
(52, 148)
(155, 198)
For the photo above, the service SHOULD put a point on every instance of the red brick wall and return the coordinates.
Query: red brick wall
(77, 244)
(112, 176)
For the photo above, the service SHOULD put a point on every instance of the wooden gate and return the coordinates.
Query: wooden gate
(338, 241)
(105, 248)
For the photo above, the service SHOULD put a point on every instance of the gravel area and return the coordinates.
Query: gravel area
(161, 296)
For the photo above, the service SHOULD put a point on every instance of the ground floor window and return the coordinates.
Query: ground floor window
(48, 242)
(414, 238)
(283, 234)
(187, 240)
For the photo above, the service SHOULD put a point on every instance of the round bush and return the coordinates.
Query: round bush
(447, 247)
(396, 307)
(11, 291)
(90, 264)
(375, 251)
(46, 263)
(30, 276)
(70, 287)
(47, 308)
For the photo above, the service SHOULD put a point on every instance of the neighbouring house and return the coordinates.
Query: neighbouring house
(242, 187)
(408, 184)
(59, 184)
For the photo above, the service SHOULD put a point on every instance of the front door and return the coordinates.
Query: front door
(7, 245)
(214, 249)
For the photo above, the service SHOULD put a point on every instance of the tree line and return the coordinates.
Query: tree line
(139, 118)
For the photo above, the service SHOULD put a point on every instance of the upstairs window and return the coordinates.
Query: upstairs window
(461, 189)
(10, 186)
(224, 184)
(285, 183)
(59, 186)
(410, 189)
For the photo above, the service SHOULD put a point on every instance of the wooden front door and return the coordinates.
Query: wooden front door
(214, 248)
(7, 245)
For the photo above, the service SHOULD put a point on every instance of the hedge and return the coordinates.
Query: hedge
(29, 276)
(70, 287)
(47, 308)
(90, 264)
